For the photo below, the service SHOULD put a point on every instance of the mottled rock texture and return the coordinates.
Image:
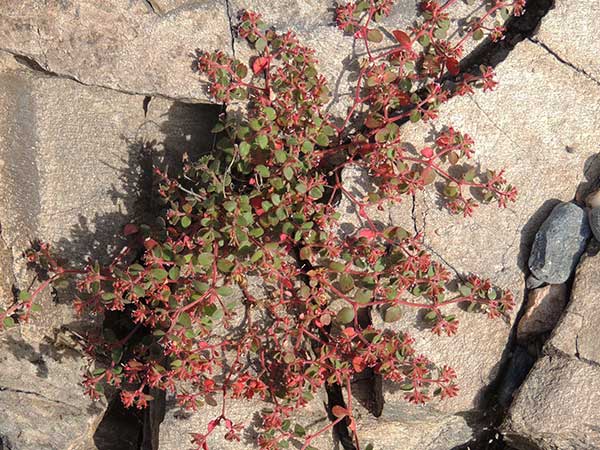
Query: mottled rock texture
(74, 161)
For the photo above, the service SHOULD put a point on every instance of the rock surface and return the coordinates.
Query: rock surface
(72, 162)
(559, 243)
(544, 307)
(177, 425)
(572, 43)
(414, 428)
(556, 407)
(122, 45)
(577, 333)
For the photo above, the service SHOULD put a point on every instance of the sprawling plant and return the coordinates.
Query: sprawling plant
(250, 290)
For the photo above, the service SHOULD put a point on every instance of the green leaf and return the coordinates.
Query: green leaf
(270, 113)
(299, 430)
(322, 140)
(262, 141)
(263, 171)
(8, 322)
(336, 266)
(288, 173)
(346, 283)
(224, 265)
(186, 221)
(465, 290)
(225, 291)
(307, 147)
(174, 273)
(280, 156)
(374, 36)
(139, 291)
(205, 259)
(36, 307)
(260, 44)
(184, 320)
(244, 149)
(363, 297)
(478, 34)
(159, 274)
(229, 206)
(316, 192)
(392, 314)
(431, 316)
(345, 315)
(256, 256)
(301, 188)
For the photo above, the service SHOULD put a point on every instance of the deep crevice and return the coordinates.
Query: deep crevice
(518, 28)
(231, 27)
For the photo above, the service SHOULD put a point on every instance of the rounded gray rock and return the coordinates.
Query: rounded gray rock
(559, 243)
(595, 222)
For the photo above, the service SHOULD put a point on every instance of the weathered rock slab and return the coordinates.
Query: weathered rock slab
(122, 45)
(409, 427)
(572, 43)
(578, 331)
(557, 407)
(73, 161)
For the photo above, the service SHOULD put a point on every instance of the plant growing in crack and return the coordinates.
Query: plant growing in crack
(250, 291)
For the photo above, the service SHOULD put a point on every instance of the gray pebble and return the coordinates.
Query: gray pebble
(558, 244)
(595, 222)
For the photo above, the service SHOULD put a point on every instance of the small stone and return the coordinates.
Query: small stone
(559, 243)
(543, 310)
(594, 218)
(593, 200)
(532, 282)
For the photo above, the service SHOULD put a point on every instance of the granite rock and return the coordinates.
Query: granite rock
(556, 408)
(73, 163)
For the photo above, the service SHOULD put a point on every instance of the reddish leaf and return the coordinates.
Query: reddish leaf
(453, 66)
(427, 152)
(339, 411)
(366, 233)
(349, 332)
(260, 64)
(402, 38)
(256, 203)
(358, 363)
(130, 229)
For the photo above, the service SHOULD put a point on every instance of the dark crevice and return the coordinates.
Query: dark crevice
(35, 66)
(518, 28)
(32, 64)
(231, 26)
(145, 104)
(155, 9)
(335, 397)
